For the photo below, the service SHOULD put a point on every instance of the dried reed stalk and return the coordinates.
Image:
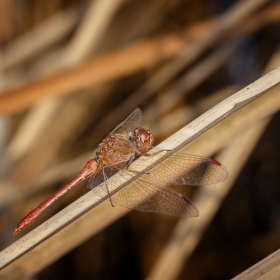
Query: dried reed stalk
(268, 268)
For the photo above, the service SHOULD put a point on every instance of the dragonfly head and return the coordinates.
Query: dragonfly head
(144, 138)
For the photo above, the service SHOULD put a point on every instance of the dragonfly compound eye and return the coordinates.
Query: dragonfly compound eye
(144, 137)
(151, 138)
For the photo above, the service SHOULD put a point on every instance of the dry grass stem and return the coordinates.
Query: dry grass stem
(268, 268)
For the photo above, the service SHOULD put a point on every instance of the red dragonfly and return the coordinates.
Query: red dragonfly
(127, 142)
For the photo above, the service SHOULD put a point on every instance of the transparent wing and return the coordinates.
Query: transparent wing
(185, 169)
(109, 171)
(133, 121)
(147, 193)
(149, 196)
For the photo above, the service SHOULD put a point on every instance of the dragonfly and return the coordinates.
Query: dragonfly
(117, 154)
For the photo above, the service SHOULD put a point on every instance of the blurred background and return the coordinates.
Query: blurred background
(70, 71)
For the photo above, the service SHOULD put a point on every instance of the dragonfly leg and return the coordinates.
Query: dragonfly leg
(133, 171)
(105, 181)
(130, 161)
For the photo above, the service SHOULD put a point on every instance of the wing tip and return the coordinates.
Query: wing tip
(215, 162)
(223, 169)
(195, 212)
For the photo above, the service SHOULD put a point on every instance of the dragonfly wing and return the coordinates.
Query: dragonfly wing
(133, 121)
(108, 171)
(185, 169)
(149, 196)
(95, 180)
